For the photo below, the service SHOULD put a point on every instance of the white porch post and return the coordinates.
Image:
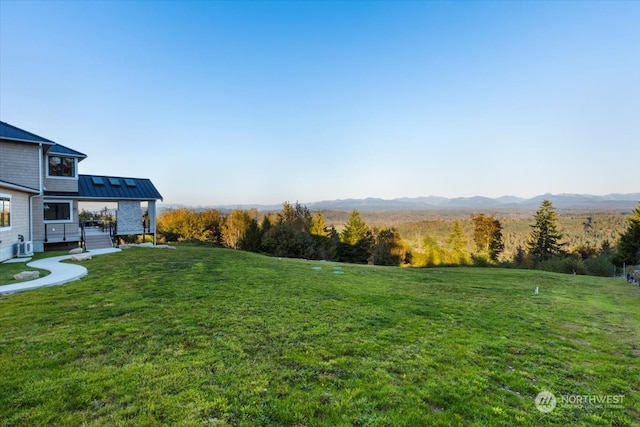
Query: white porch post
(151, 208)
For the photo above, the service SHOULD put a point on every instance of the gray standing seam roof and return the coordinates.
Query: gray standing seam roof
(8, 131)
(13, 133)
(89, 186)
(65, 151)
(114, 187)
(19, 187)
(99, 187)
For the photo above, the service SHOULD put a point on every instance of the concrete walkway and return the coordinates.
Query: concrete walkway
(60, 272)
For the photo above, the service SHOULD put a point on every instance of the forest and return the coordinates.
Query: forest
(580, 242)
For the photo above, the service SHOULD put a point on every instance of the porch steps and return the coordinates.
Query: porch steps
(97, 241)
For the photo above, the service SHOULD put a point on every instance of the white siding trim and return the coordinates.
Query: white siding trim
(4, 195)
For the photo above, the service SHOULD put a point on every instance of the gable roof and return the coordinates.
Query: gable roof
(13, 133)
(66, 151)
(115, 187)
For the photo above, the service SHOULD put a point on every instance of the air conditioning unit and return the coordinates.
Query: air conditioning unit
(25, 249)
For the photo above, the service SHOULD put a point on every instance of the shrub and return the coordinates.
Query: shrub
(283, 241)
(566, 265)
(482, 260)
(599, 266)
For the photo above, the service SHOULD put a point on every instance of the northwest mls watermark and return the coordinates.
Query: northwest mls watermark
(546, 401)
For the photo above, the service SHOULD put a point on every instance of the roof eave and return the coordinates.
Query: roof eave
(6, 138)
(97, 199)
(19, 187)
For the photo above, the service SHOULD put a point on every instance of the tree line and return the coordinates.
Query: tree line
(578, 228)
(293, 232)
(296, 232)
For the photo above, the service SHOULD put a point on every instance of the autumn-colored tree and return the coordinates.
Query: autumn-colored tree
(177, 225)
(487, 235)
(457, 242)
(86, 215)
(432, 253)
(210, 222)
(234, 227)
(106, 215)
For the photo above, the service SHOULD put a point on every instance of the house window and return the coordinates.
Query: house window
(57, 211)
(62, 166)
(5, 211)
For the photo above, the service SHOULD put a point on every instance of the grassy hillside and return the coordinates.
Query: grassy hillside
(200, 336)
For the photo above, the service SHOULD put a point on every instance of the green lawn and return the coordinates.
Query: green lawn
(200, 336)
(7, 270)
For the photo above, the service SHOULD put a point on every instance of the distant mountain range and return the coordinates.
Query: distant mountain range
(560, 201)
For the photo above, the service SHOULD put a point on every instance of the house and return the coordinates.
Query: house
(41, 190)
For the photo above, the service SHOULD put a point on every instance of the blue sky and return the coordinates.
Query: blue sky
(262, 102)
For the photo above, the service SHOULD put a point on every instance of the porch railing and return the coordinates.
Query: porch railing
(60, 232)
(107, 227)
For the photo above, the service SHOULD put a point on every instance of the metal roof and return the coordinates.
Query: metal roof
(90, 187)
(11, 132)
(11, 185)
(116, 188)
(66, 151)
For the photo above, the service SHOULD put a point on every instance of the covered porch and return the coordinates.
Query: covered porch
(131, 212)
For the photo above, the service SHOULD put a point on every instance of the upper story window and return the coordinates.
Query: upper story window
(62, 166)
(5, 211)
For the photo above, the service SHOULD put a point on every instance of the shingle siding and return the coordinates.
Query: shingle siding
(19, 222)
(61, 185)
(19, 163)
(22, 161)
(38, 227)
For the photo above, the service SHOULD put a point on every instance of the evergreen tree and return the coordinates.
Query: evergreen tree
(252, 238)
(280, 240)
(628, 250)
(326, 247)
(318, 226)
(356, 240)
(487, 235)
(355, 230)
(332, 244)
(544, 239)
(266, 224)
(387, 247)
(520, 257)
(297, 217)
